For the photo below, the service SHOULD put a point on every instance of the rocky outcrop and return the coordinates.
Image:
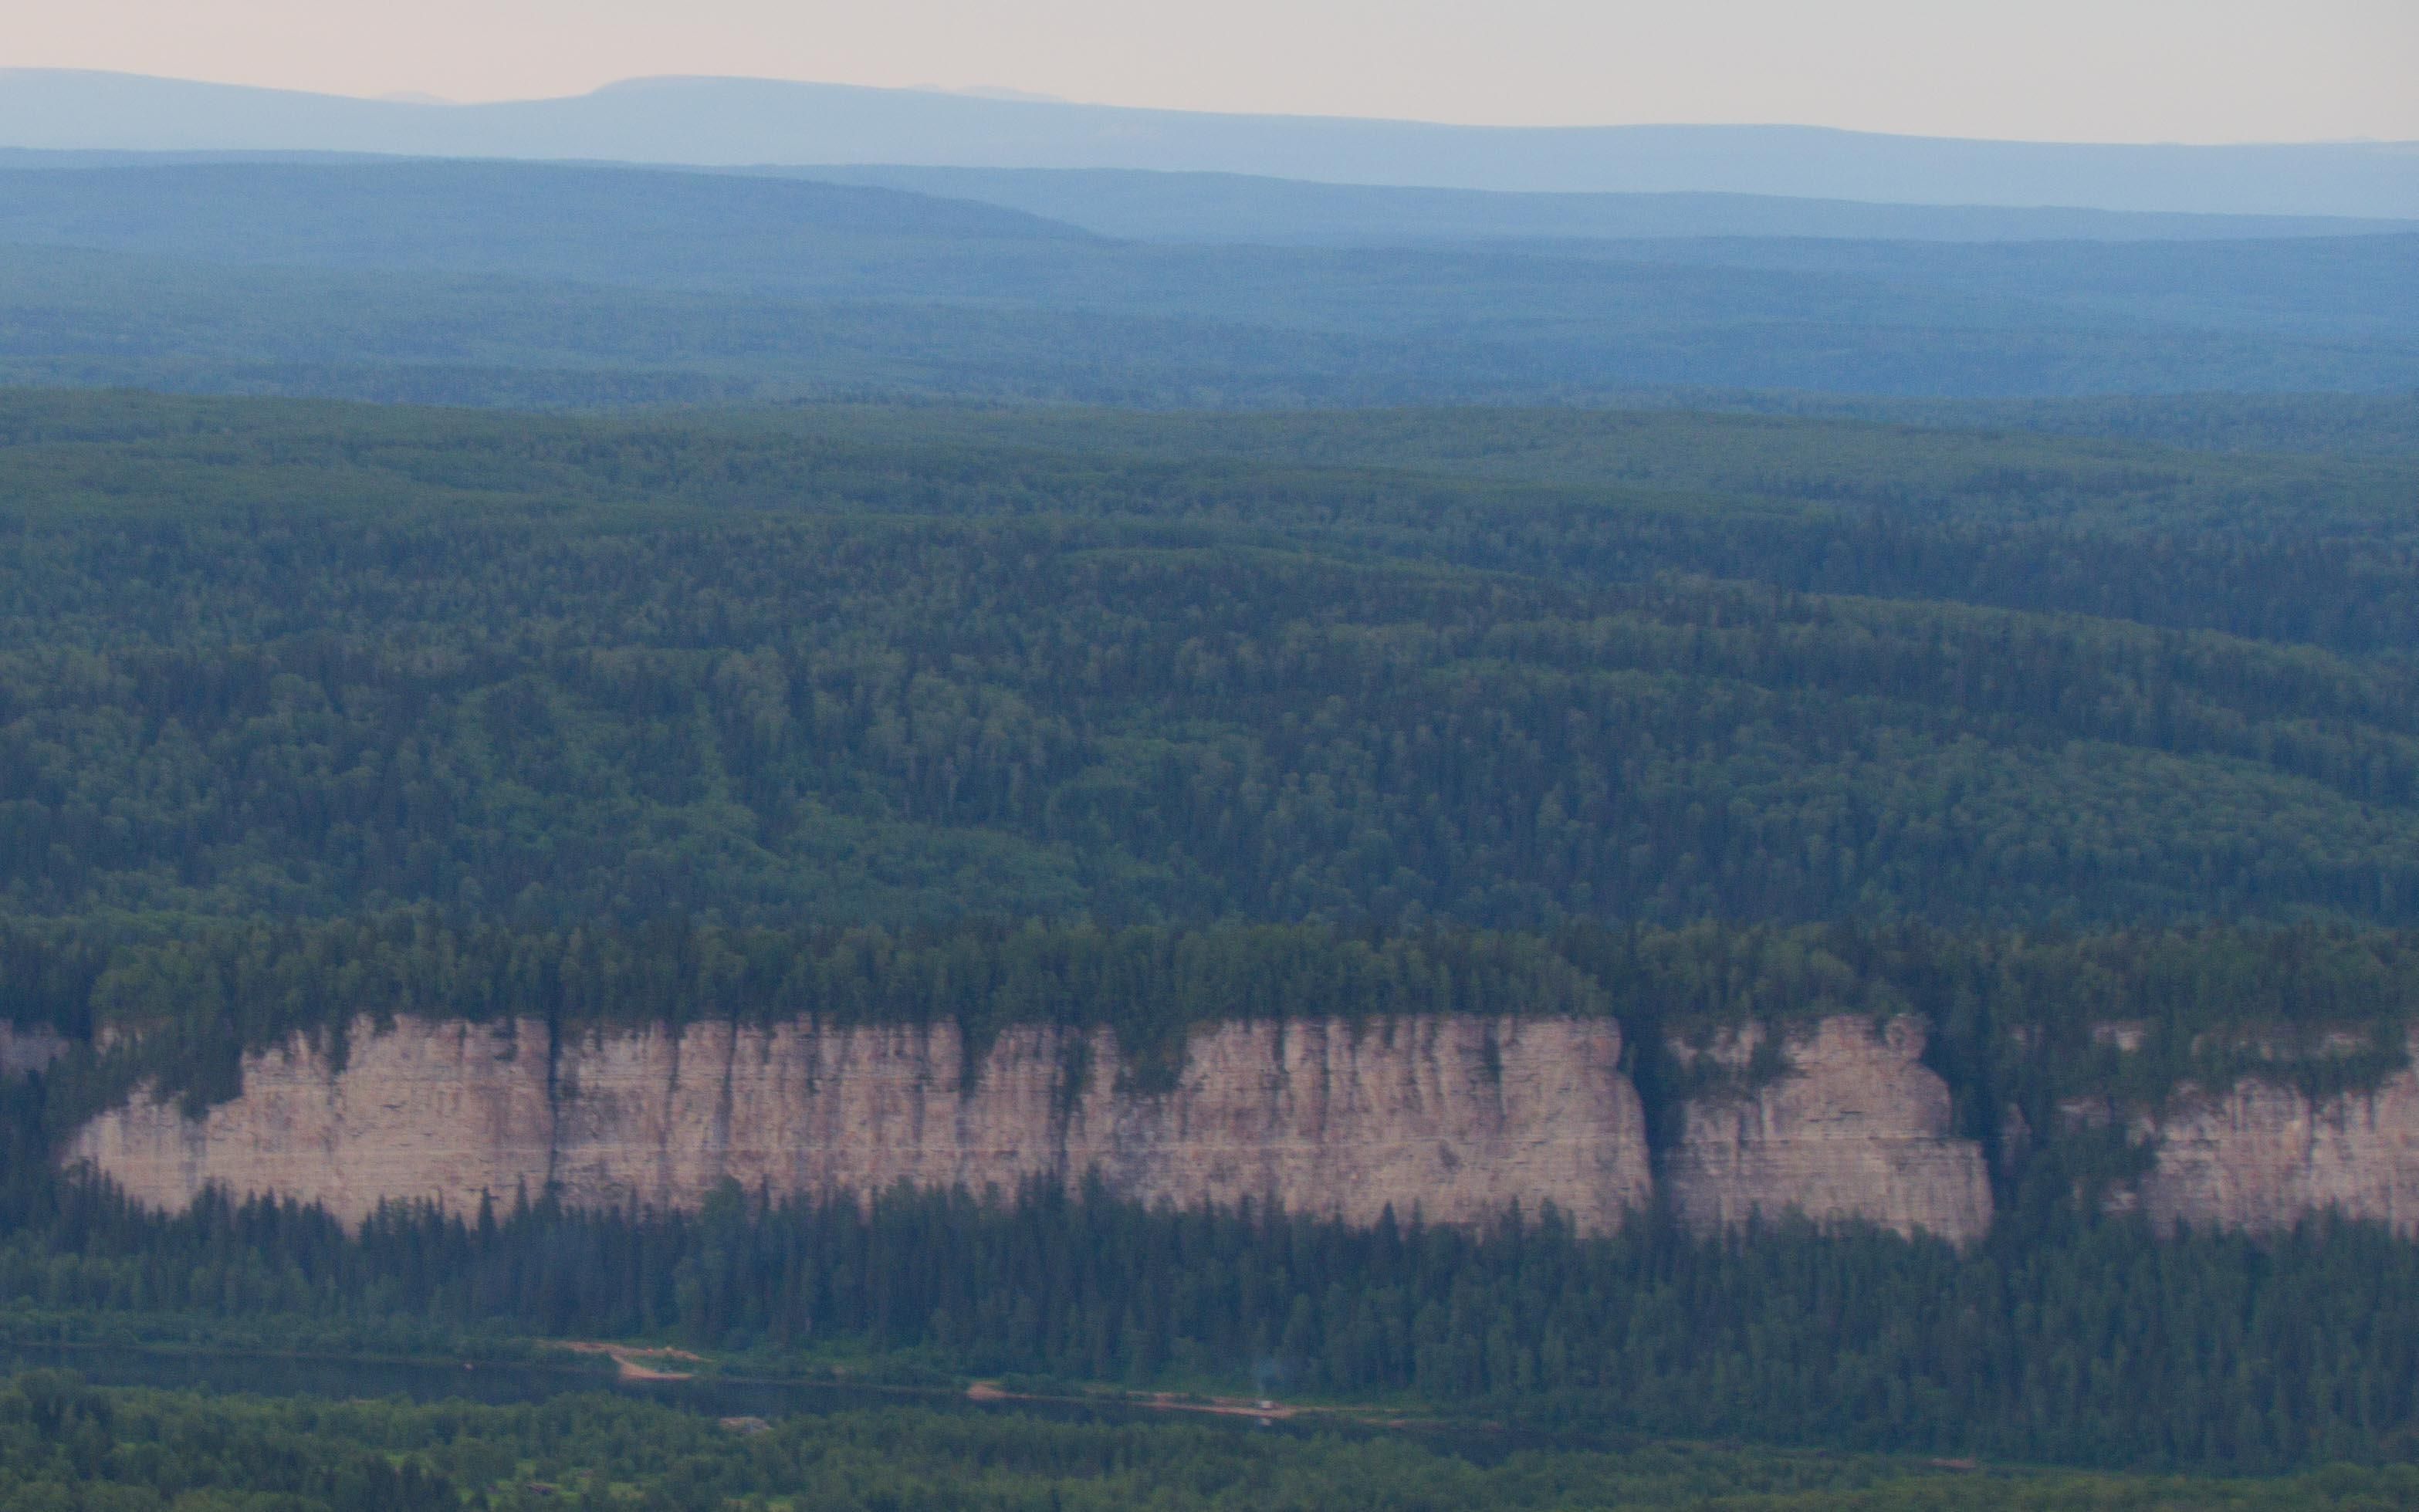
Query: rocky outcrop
(446, 1110)
(1457, 1118)
(2262, 1156)
(1854, 1127)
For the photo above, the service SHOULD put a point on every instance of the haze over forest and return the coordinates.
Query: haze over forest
(760, 121)
(881, 798)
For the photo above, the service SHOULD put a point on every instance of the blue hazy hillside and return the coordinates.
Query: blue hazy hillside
(1018, 586)
(1160, 205)
(736, 121)
(797, 237)
(557, 284)
(1146, 205)
(610, 225)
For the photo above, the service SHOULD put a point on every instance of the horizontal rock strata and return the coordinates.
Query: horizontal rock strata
(2262, 1156)
(1457, 1118)
(1854, 1128)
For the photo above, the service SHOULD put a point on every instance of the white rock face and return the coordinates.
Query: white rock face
(1460, 1119)
(1457, 1118)
(444, 1111)
(2261, 1157)
(1855, 1128)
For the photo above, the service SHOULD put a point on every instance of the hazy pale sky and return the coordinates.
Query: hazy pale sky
(2199, 70)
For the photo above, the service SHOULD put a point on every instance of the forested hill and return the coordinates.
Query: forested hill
(887, 666)
(2098, 759)
(525, 284)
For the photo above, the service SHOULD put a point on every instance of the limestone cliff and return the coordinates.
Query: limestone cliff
(1855, 1127)
(444, 1110)
(2260, 1156)
(1457, 1118)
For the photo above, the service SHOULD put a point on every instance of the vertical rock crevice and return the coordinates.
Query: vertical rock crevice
(1457, 1118)
(1854, 1129)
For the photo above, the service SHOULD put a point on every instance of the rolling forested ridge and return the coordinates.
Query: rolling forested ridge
(313, 661)
(1661, 617)
(311, 709)
(536, 285)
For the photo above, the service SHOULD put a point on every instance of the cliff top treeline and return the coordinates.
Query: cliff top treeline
(2100, 758)
(2015, 1021)
(269, 659)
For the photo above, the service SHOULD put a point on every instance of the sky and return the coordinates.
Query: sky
(2113, 70)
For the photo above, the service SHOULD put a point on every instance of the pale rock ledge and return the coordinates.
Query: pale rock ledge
(1456, 1118)
(2260, 1157)
(1855, 1128)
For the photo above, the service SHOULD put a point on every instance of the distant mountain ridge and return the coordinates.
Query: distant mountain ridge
(1215, 209)
(535, 282)
(747, 121)
(1212, 208)
(648, 224)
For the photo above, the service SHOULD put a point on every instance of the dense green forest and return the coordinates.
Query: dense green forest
(883, 713)
(847, 602)
(310, 660)
(64, 1444)
(2067, 1337)
(2017, 1022)
(2088, 1343)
